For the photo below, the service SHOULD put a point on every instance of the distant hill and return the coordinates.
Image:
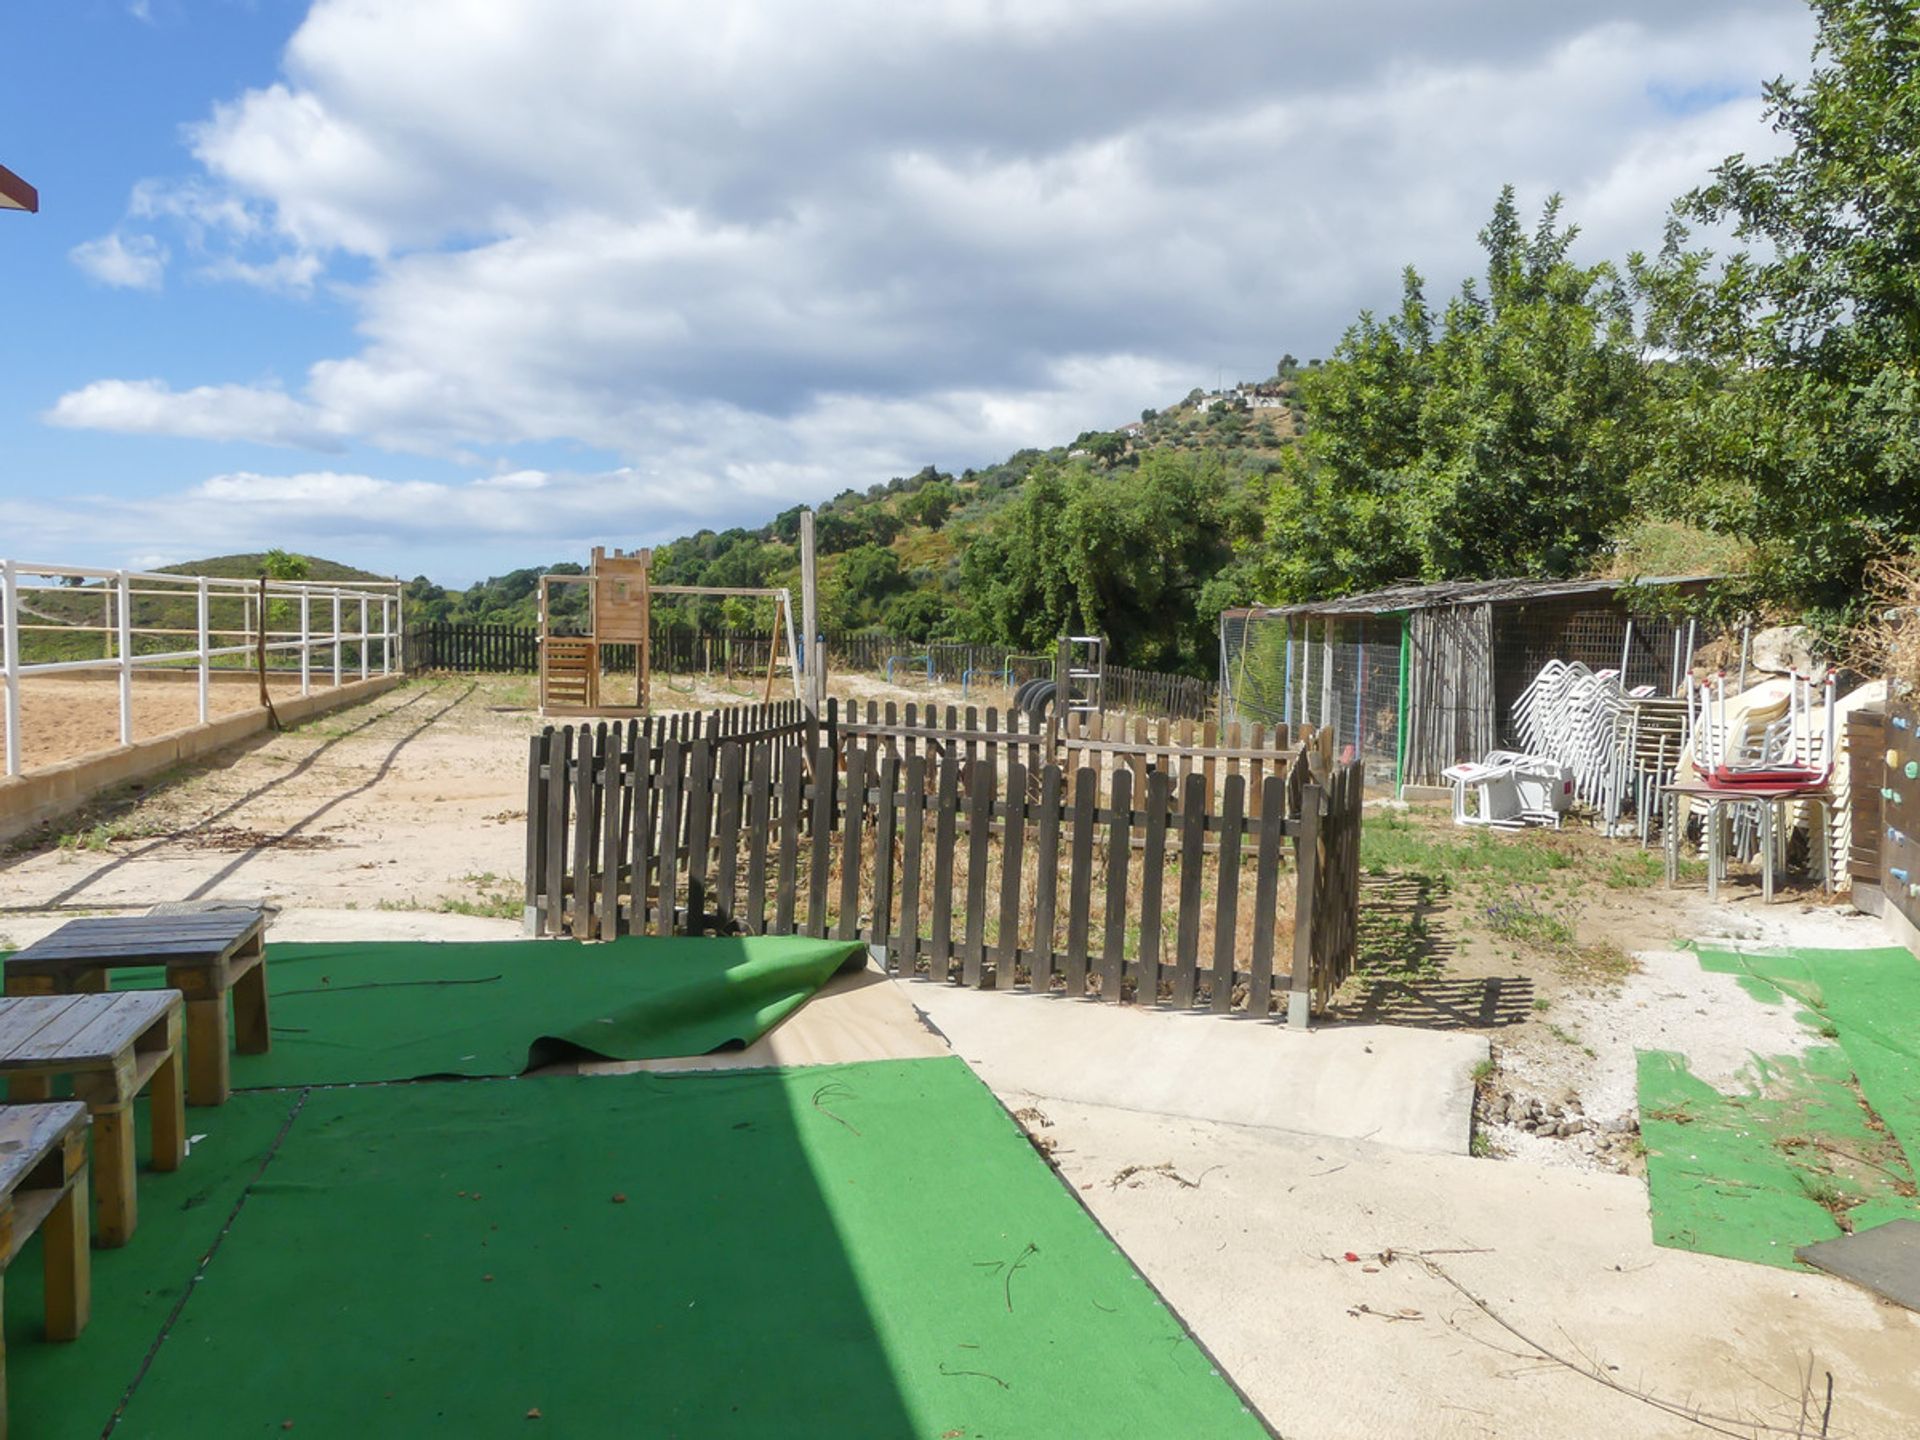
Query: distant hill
(88, 605)
(890, 555)
(248, 567)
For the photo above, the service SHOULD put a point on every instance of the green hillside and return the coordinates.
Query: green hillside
(895, 557)
(88, 606)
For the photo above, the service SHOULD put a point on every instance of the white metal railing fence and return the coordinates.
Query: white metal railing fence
(47, 610)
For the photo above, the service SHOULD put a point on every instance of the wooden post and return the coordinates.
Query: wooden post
(816, 690)
(1307, 865)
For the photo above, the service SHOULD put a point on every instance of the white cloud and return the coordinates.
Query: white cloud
(206, 412)
(754, 249)
(128, 262)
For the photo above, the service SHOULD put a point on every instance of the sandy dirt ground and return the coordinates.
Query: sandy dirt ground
(65, 717)
(403, 817)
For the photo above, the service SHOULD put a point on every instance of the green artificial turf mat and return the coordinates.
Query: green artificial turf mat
(1813, 1139)
(1753, 1175)
(347, 1013)
(1869, 999)
(71, 1390)
(855, 1250)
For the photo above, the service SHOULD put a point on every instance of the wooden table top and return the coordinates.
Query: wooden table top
(204, 939)
(37, 1031)
(29, 1133)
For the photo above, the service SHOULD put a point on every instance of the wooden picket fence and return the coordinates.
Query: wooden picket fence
(960, 852)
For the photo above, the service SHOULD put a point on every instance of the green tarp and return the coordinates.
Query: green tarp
(1811, 1140)
(856, 1250)
(402, 1010)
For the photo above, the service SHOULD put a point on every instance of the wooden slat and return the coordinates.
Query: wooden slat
(1047, 877)
(913, 822)
(1119, 855)
(536, 871)
(584, 811)
(980, 794)
(699, 811)
(727, 837)
(1193, 804)
(940, 950)
(753, 914)
(673, 769)
(25, 1016)
(1153, 866)
(1226, 915)
(610, 799)
(853, 828)
(792, 779)
(561, 759)
(1086, 799)
(1266, 895)
(641, 840)
(821, 854)
(1013, 839)
(886, 785)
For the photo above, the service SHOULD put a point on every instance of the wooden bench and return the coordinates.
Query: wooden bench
(43, 1186)
(114, 1046)
(205, 956)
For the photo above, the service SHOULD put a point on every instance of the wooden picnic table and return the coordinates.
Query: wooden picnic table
(205, 955)
(43, 1187)
(114, 1046)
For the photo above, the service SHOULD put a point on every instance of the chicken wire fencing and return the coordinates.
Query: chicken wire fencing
(1343, 671)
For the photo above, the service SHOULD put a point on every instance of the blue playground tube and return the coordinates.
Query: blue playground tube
(1002, 673)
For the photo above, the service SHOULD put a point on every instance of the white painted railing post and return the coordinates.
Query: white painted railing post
(363, 636)
(306, 640)
(10, 657)
(386, 635)
(202, 644)
(124, 600)
(336, 639)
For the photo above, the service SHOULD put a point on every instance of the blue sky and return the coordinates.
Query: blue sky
(454, 286)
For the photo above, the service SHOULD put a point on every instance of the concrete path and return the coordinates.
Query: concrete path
(1402, 1087)
(1245, 1232)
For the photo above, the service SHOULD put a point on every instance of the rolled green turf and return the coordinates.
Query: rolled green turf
(855, 1250)
(350, 1013)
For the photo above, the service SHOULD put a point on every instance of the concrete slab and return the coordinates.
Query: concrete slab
(1246, 1232)
(1403, 1087)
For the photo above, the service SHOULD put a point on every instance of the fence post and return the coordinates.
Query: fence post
(123, 589)
(1306, 853)
(205, 659)
(306, 635)
(363, 636)
(10, 658)
(336, 639)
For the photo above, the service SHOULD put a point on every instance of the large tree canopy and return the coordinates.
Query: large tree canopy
(1501, 441)
(1795, 414)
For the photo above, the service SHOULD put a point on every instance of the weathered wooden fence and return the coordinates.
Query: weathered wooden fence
(961, 852)
(493, 649)
(1153, 692)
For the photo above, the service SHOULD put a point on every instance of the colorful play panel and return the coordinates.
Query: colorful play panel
(867, 1249)
(1817, 1145)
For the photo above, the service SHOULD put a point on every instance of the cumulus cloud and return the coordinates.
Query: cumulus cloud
(206, 412)
(750, 249)
(128, 262)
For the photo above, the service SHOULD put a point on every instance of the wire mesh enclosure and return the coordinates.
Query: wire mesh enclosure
(1340, 671)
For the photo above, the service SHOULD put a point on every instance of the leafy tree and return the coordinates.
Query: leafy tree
(1125, 554)
(278, 564)
(931, 504)
(1791, 415)
(1501, 440)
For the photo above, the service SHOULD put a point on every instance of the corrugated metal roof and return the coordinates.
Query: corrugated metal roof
(1470, 592)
